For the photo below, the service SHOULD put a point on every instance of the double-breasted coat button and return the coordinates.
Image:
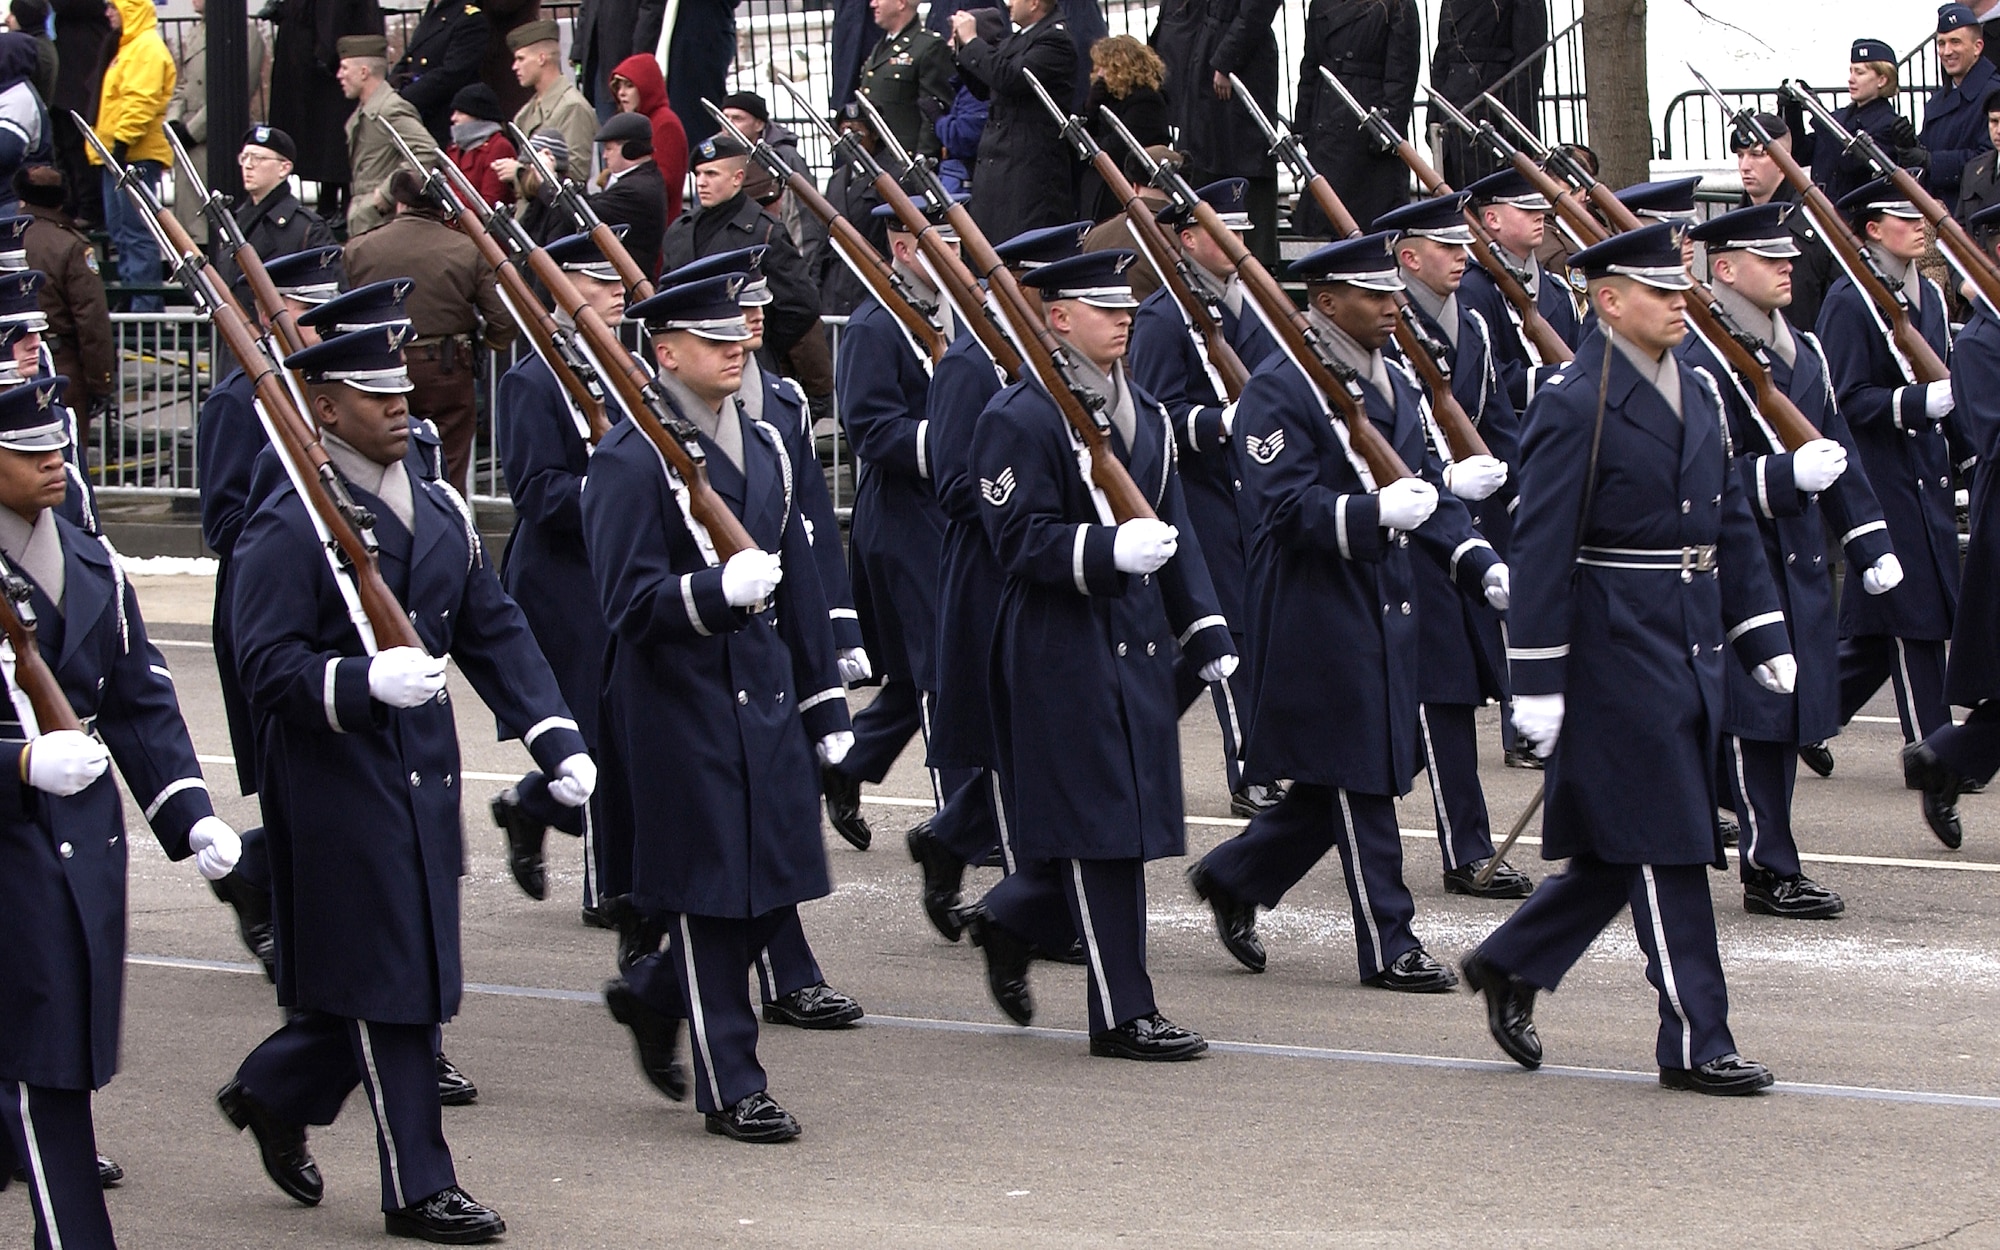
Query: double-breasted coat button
(1121, 648)
(1151, 648)
(416, 779)
(742, 697)
(1685, 507)
(1406, 607)
(66, 850)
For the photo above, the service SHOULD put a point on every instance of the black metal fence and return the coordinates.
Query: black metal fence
(1694, 128)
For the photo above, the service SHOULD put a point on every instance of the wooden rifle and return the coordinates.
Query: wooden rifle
(573, 201)
(32, 675)
(1198, 311)
(279, 316)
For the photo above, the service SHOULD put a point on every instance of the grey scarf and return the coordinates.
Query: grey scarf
(1767, 328)
(1664, 373)
(388, 482)
(727, 434)
(1368, 364)
(1116, 395)
(1442, 309)
(35, 550)
(466, 136)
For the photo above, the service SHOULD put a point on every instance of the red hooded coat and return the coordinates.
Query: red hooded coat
(670, 145)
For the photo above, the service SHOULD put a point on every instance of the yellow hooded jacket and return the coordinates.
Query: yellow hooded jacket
(132, 109)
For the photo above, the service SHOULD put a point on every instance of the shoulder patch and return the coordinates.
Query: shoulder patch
(471, 9)
(1264, 450)
(90, 259)
(997, 491)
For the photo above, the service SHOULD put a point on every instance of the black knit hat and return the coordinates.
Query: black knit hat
(478, 100)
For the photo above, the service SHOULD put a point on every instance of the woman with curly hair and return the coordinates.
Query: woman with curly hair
(1126, 75)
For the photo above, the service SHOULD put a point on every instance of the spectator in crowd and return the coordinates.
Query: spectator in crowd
(306, 101)
(187, 112)
(1954, 117)
(632, 195)
(476, 141)
(747, 111)
(700, 49)
(269, 214)
(1084, 19)
(24, 123)
(907, 76)
(556, 103)
(31, 18)
(371, 155)
(1813, 268)
(1202, 43)
(853, 36)
(73, 298)
(1375, 46)
(1125, 76)
(536, 208)
(1023, 179)
(853, 196)
(1113, 234)
(1979, 188)
(638, 87)
(131, 121)
(1872, 84)
(496, 65)
(83, 36)
(959, 129)
(441, 56)
(606, 34)
(1479, 43)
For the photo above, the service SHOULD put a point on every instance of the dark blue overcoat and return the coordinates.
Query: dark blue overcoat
(969, 576)
(1512, 354)
(1973, 672)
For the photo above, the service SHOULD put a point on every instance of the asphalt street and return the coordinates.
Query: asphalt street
(1326, 1114)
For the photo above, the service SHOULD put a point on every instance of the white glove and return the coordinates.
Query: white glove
(1406, 503)
(1219, 668)
(65, 761)
(1142, 545)
(216, 847)
(575, 778)
(1539, 719)
(854, 665)
(1499, 587)
(749, 577)
(1818, 464)
(1229, 419)
(1475, 477)
(405, 676)
(1779, 674)
(1938, 400)
(834, 747)
(1883, 576)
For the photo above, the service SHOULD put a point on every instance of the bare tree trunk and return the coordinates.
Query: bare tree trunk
(1619, 112)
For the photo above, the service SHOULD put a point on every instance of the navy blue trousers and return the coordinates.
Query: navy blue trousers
(1760, 777)
(1674, 919)
(1914, 668)
(52, 1138)
(701, 977)
(1052, 902)
(254, 865)
(967, 824)
(1450, 740)
(882, 730)
(1973, 748)
(786, 964)
(1231, 696)
(306, 1070)
(1281, 846)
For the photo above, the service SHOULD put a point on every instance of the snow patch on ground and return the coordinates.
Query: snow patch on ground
(168, 566)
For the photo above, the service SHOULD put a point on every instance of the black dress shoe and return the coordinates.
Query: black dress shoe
(814, 1007)
(1235, 920)
(449, 1217)
(1818, 757)
(1252, 799)
(455, 1088)
(1797, 897)
(1510, 1009)
(1731, 831)
(944, 877)
(1149, 1039)
(1073, 954)
(524, 843)
(281, 1144)
(655, 1034)
(253, 919)
(1522, 757)
(1941, 785)
(596, 918)
(1415, 972)
(843, 808)
(1508, 881)
(1007, 958)
(1726, 1076)
(109, 1174)
(755, 1119)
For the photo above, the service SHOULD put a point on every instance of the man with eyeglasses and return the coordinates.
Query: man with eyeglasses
(269, 214)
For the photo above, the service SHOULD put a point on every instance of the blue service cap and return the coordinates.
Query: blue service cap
(1230, 198)
(1650, 254)
(1879, 198)
(1988, 216)
(1095, 278)
(310, 277)
(363, 308)
(30, 418)
(1759, 229)
(1440, 219)
(748, 262)
(1670, 199)
(579, 253)
(887, 213)
(1034, 248)
(1510, 188)
(1954, 17)
(14, 242)
(20, 300)
(710, 308)
(1871, 50)
(368, 360)
(1366, 261)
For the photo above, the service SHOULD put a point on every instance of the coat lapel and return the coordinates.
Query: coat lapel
(87, 583)
(1701, 424)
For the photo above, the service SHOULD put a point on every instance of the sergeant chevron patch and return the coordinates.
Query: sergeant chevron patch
(1264, 450)
(997, 491)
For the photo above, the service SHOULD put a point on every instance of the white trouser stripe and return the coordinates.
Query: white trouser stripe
(1111, 1020)
(1907, 708)
(381, 1113)
(1000, 819)
(1749, 809)
(924, 721)
(769, 972)
(1360, 879)
(697, 1019)
(1667, 966)
(1235, 725)
(590, 882)
(1437, 790)
(39, 1172)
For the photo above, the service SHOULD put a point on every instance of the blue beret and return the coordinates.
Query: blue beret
(1365, 261)
(715, 148)
(30, 420)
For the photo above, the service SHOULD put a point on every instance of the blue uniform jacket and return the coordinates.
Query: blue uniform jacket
(1955, 129)
(361, 800)
(785, 410)
(1333, 629)
(710, 712)
(1085, 718)
(1794, 534)
(62, 860)
(228, 436)
(969, 576)
(1636, 653)
(898, 528)
(1512, 354)
(1907, 458)
(1973, 672)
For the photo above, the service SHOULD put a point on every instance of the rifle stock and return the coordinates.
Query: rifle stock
(31, 672)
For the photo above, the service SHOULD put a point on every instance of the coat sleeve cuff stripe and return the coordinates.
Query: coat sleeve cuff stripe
(1896, 406)
(1527, 654)
(1764, 488)
(808, 704)
(1076, 560)
(172, 788)
(843, 614)
(1205, 622)
(1340, 526)
(544, 725)
(1868, 528)
(923, 457)
(693, 611)
(1464, 547)
(1758, 621)
(327, 691)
